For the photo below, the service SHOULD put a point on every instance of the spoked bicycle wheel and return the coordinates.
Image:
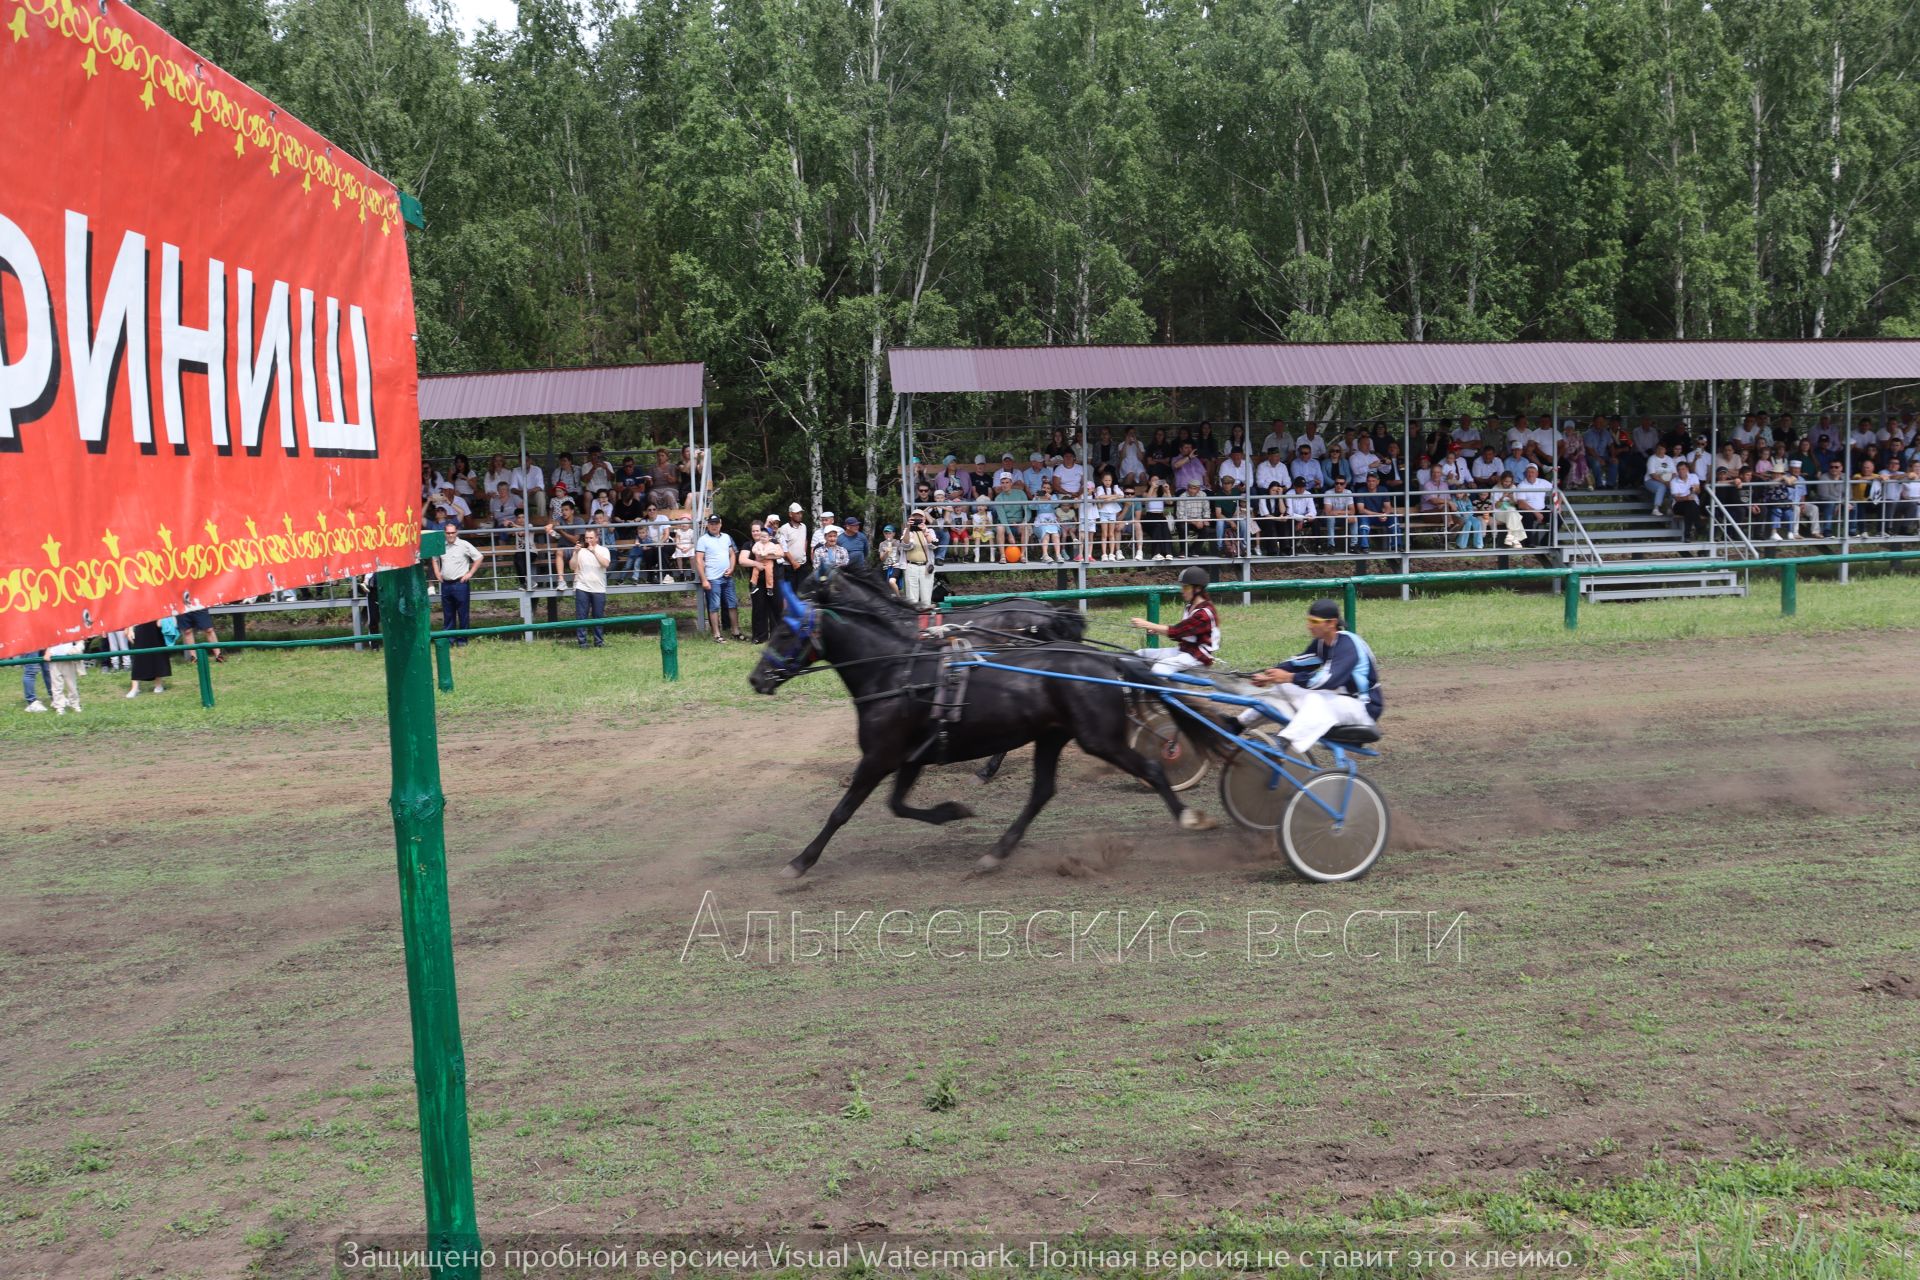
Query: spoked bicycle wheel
(1251, 789)
(1343, 844)
(1156, 736)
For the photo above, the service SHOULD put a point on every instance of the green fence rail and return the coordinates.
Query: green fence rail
(442, 644)
(1787, 566)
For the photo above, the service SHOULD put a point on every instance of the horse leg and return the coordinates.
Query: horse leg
(1118, 754)
(1046, 762)
(986, 771)
(866, 776)
(939, 815)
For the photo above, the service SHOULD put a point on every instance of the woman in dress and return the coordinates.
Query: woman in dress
(149, 668)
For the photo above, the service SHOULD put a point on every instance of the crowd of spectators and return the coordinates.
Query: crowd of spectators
(1168, 493)
(1193, 492)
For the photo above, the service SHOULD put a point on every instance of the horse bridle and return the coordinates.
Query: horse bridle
(803, 619)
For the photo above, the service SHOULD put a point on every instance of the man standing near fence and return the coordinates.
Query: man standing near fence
(589, 563)
(714, 558)
(453, 570)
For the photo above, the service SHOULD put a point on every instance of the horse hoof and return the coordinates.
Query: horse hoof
(1194, 820)
(958, 813)
(792, 872)
(989, 862)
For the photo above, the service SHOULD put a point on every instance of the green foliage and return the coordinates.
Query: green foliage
(786, 190)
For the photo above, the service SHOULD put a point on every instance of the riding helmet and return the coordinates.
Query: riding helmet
(1195, 576)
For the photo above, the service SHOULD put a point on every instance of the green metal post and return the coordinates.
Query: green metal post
(1571, 590)
(1153, 615)
(439, 1062)
(1352, 604)
(1789, 590)
(669, 649)
(204, 661)
(443, 660)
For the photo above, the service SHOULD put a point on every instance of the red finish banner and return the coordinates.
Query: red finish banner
(207, 380)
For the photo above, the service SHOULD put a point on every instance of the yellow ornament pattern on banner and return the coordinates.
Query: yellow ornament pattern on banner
(178, 567)
(88, 27)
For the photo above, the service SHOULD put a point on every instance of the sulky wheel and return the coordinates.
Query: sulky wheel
(1327, 849)
(1251, 789)
(1155, 736)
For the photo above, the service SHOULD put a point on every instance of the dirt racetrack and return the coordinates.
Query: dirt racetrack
(1682, 886)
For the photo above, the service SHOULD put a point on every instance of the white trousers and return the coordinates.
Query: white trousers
(919, 580)
(1310, 712)
(66, 685)
(1168, 661)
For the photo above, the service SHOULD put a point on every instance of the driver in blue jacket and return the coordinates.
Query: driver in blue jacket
(1335, 682)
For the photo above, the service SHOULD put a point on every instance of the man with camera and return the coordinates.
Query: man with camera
(917, 548)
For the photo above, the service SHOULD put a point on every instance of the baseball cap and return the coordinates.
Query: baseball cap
(794, 506)
(979, 459)
(853, 520)
(713, 517)
(887, 528)
(826, 515)
(949, 458)
(1035, 456)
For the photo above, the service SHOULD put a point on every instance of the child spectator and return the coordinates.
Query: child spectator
(890, 555)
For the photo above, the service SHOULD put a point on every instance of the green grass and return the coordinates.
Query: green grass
(551, 677)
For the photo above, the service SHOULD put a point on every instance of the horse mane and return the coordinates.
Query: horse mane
(874, 591)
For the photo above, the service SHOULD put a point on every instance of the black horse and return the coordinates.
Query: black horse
(873, 640)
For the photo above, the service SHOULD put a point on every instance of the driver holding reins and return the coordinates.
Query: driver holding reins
(1335, 682)
(1197, 633)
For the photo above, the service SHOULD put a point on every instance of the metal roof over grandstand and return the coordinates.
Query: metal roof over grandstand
(1394, 364)
(525, 393)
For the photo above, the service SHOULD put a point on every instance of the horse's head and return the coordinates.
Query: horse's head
(794, 645)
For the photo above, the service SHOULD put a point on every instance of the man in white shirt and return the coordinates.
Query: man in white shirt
(1279, 438)
(453, 570)
(793, 539)
(1467, 432)
(1272, 470)
(1363, 461)
(1070, 475)
(1311, 441)
(1533, 496)
(1237, 468)
(1487, 469)
(597, 474)
(529, 484)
